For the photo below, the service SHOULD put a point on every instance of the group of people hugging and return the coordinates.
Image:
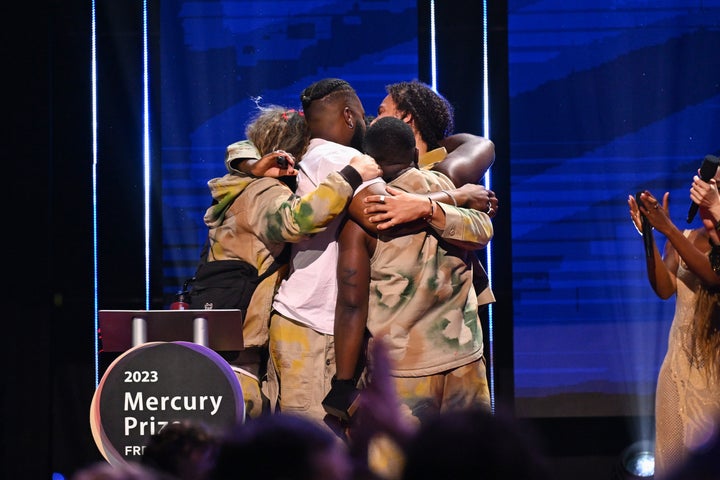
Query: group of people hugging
(369, 228)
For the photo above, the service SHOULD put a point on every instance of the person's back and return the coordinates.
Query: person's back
(308, 293)
(417, 280)
(335, 118)
(413, 290)
(423, 302)
(301, 328)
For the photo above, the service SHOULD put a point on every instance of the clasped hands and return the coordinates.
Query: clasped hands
(657, 215)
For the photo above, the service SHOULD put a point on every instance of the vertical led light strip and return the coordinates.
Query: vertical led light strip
(488, 185)
(487, 177)
(433, 52)
(146, 172)
(93, 102)
(146, 154)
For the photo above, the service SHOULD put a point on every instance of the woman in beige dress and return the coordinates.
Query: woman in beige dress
(687, 403)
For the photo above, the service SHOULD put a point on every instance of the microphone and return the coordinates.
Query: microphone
(707, 172)
(646, 229)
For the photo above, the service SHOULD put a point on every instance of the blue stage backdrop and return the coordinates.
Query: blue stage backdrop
(220, 58)
(607, 98)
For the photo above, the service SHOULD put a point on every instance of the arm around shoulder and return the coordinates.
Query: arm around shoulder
(469, 157)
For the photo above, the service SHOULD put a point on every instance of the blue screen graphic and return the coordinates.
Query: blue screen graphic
(219, 58)
(606, 99)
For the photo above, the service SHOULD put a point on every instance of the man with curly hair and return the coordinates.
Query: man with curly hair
(431, 117)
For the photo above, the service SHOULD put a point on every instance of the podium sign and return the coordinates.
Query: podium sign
(157, 383)
(170, 371)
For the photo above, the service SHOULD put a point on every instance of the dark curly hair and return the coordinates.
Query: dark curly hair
(432, 114)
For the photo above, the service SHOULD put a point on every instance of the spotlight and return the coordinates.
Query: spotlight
(637, 461)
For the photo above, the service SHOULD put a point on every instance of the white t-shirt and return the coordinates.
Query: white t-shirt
(309, 293)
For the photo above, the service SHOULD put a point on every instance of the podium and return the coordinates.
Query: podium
(219, 330)
(170, 370)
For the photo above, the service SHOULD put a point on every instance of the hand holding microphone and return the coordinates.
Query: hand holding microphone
(646, 228)
(708, 169)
